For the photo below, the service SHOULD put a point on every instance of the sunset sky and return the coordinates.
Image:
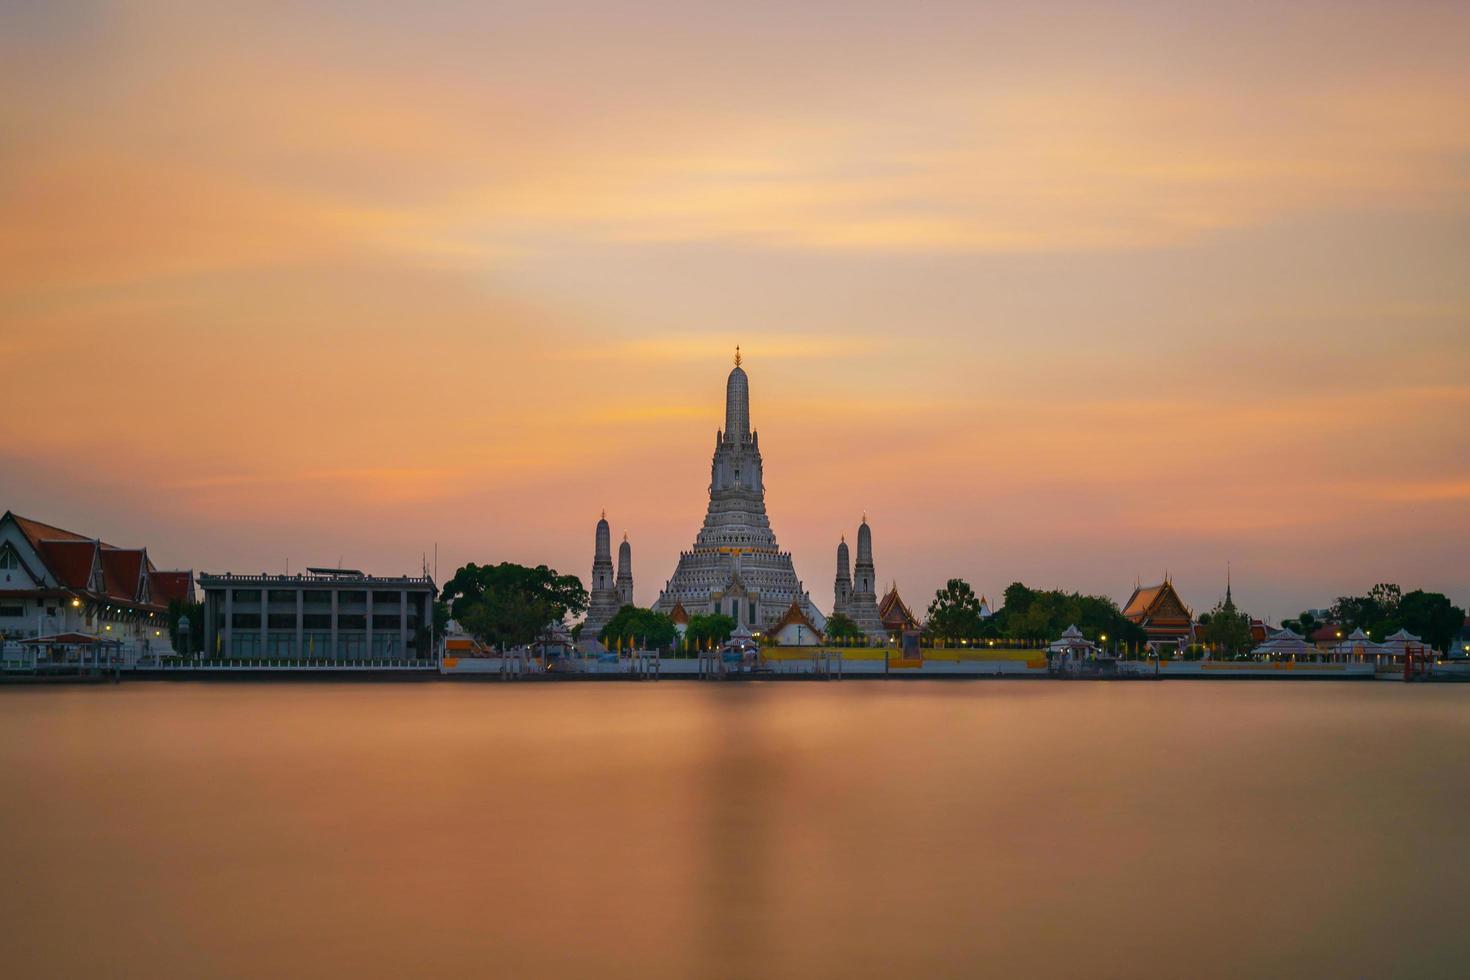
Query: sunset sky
(1066, 293)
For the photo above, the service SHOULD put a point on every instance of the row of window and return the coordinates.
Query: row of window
(315, 621)
(320, 597)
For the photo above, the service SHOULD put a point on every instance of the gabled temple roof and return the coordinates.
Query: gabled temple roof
(1156, 602)
(70, 560)
(127, 576)
(794, 617)
(679, 614)
(122, 572)
(894, 612)
(168, 586)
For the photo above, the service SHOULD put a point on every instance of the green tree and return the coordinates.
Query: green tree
(1228, 629)
(651, 629)
(178, 608)
(1432, 617)
(1375, 613)
(712, 629)
(1036, 615)
(955, 612)
(509, 605)
(842, 630)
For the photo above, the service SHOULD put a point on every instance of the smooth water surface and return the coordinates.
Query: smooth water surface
(860, 829)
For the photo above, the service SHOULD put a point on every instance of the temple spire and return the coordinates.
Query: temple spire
(737, 404)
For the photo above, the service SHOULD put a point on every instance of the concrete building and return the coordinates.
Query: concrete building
(56, 581)
(330, 613)
(735, 566)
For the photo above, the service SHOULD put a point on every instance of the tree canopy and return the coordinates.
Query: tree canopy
(841, 628)
(1227, 629)
(954, 614)
(1036, 614)
(709, 630)
(509, 605)
(645, 627)
(1387, 608)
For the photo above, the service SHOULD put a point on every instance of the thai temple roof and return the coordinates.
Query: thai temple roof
(1156, 601)
(795, 617)
(894, 612)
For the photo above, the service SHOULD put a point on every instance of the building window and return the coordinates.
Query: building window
(317, 597)
(246, 621)
(283, 595)
(8, 561)
(12, 610)
(282, 621)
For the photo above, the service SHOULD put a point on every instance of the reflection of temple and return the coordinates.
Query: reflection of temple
(1160, 611)
(735, 566)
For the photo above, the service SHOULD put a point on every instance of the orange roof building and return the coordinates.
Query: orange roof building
(1160, 611)
(895, 613)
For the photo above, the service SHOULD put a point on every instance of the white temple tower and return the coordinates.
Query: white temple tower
(842, 586)
(625, 573)
(862, 605)
(603, 602)
(735, 566)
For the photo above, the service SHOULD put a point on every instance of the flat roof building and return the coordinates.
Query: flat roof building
(324, 613)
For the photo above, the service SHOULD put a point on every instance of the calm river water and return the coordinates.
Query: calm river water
(862, 829)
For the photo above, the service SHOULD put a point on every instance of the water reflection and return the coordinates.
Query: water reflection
(859, 829)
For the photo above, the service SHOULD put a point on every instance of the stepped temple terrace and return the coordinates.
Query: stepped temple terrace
(735, 566)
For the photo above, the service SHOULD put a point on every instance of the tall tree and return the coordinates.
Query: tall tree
(1228, 629)
(1432, 617)
(508, 604)
(955, 612)
(841, 629)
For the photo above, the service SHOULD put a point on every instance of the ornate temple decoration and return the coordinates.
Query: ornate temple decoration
(735, 566)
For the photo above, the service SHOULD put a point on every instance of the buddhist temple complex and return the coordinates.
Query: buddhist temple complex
(1160, 611)
(606, 595)
(735, 566)
(855, 596)
(895, 613)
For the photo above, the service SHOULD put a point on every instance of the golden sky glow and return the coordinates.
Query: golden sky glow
(1070, 293)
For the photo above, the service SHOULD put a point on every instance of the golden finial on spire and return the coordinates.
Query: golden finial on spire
(737, 355)
(604, 513)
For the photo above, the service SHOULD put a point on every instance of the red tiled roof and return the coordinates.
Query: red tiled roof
(70, 560)
(36, 532)
(122, 572)
(1325, 633)
(167, 586)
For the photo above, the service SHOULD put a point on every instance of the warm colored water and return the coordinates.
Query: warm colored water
(842, 830)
